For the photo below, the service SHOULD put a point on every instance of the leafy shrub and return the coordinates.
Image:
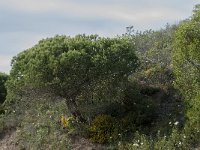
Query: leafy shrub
(192, 134)
(36, 116)
(3, 91)
(84, 66)
(186, 56)
(140, 109)
(102, 128)
(105, 128)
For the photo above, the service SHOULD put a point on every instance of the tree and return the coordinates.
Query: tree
(186, 62)
(82, 66)
(3, 91)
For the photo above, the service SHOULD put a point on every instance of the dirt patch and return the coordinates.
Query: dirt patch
(7, 140)
(80, 143)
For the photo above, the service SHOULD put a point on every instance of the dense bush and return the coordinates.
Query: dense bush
(186, 64)
(140, 107)
(102, 129)
(87, 67)
(3, 91)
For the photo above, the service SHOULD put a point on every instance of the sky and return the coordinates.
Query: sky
(24, 22)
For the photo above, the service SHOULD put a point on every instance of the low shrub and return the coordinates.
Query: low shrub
(107, 129)
(36, 117)
(102, 129)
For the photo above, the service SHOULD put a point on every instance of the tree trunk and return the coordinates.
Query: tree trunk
(73, 108)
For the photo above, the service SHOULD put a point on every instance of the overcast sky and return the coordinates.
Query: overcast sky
(24, 22)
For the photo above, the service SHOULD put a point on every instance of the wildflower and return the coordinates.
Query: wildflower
(135, 144)
(170, 123)
(176, 123)
(64, 121)
(119, 143)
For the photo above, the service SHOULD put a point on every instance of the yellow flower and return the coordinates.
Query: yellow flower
(64, 121)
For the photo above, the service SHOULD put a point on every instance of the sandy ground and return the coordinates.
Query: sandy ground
(7, 140)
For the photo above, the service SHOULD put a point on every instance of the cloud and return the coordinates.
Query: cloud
(5, 63)
(14, 42)
(30, 5)
(127, 11)
(24, 22)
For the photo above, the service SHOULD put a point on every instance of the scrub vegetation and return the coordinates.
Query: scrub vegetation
(138, 91)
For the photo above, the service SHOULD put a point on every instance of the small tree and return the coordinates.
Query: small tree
(76, 67)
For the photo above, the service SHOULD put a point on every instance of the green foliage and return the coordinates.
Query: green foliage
(94, 75)
(154, 50)
(140, 109)
(102, 129)
(140, 142)
(196, 12)
(67, 122)
(36, 117)
(154, 47)
(186, 63)
(136, 111)
(3, 91)
(83, 67)
(177, 140)
(107, 129)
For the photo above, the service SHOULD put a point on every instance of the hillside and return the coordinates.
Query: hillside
(135, 91)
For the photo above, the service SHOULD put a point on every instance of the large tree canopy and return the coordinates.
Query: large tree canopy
(74, 67)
